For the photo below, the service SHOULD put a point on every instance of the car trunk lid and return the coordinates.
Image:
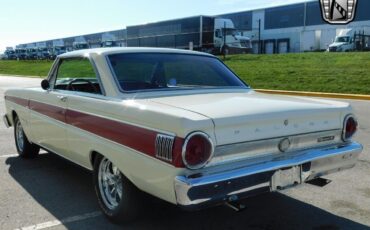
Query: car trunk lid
(242, 117)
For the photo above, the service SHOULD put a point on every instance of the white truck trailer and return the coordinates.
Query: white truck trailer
(202, 33)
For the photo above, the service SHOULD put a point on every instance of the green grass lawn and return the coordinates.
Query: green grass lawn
(26, 68)
(316, 72)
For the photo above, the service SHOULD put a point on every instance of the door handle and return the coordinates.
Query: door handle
(62, 98)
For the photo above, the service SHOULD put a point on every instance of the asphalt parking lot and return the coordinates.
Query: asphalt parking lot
(51, 193)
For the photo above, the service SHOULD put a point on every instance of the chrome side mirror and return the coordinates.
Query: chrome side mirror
(45, 84)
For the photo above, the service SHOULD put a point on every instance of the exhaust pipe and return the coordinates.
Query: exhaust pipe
(234, 205)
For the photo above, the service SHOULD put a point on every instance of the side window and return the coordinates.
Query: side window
(77, 74)
(218, 33)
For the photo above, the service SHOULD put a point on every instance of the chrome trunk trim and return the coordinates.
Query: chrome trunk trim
(270, 147)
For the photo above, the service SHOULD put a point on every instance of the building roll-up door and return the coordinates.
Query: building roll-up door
(255, 47)
(283, 46)
(269, 46)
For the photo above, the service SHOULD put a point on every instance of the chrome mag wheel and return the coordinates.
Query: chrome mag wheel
(19, 135)
(110, 184)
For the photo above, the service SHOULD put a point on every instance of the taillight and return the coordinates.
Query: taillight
(349, 127)
(197, 150)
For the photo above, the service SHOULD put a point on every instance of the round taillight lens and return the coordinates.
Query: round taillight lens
(197, 150)
(350, 127)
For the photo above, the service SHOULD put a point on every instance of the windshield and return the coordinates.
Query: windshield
(146, 71)
(81, 46)
(231, 31)
(342, 39)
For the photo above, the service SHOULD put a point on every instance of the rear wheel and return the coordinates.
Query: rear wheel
(25, 148)
(118, 198)
(225, 50)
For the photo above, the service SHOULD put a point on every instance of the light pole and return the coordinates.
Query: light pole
(259, 36)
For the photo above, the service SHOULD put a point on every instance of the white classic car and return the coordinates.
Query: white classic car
(178, 125)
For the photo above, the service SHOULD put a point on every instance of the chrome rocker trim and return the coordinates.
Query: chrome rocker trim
(6, 121)
(201, 191)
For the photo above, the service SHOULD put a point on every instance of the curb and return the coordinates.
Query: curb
(316, 94)
(21, 76)
(270, 91)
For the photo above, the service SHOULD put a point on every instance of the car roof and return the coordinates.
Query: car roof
(117, 50)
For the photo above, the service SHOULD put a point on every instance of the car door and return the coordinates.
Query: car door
(85, 96)
(47, 116)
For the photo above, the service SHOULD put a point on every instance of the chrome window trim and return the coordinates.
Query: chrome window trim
(199, 166)
(53, 74)
(81, 94)
(245, 85)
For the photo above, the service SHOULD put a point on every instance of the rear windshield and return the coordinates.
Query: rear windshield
(147, 71)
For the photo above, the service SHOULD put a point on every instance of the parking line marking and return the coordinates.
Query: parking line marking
(10, 155)
(67, 220)
(16, 155)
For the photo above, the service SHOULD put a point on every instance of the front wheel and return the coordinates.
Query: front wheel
(118, 198)
(25, 148)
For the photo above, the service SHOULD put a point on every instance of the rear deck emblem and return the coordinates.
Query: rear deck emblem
(338, 11)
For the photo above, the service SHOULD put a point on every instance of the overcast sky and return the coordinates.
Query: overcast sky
(23, 21)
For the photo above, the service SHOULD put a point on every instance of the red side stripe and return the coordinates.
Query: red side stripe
(17, 100)
(140, 139)
(52, 111)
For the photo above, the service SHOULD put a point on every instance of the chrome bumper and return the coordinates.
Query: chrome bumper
(6, 121)
(208, 190)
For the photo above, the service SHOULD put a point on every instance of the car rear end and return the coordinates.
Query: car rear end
(222, 174)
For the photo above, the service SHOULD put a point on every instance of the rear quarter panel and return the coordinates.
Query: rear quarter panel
(148, 173)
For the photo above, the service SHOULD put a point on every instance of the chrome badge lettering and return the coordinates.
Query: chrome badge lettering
(323, 139)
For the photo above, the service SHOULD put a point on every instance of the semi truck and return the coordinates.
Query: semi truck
(203, 33)
(10, 54)
(21, 53)
(108, 40)
(43, 53)
(109, 43)
(80, 45)
(350, 40)
(57, 50)
(31, 53)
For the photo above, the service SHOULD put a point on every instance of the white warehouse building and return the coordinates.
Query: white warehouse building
(295, 28)
(290, 28)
